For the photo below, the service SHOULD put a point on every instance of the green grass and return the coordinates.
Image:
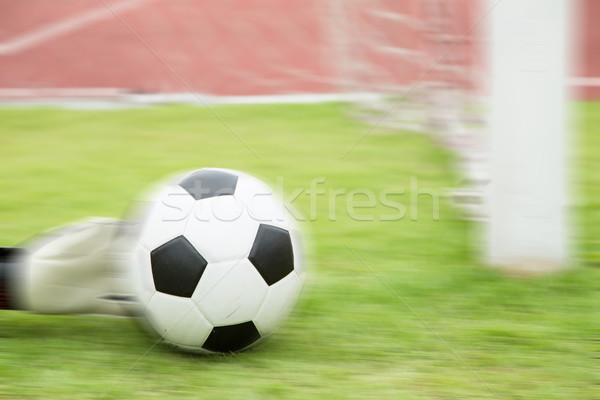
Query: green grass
(455, 330)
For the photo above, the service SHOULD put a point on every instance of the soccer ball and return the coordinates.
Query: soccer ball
(218, 262)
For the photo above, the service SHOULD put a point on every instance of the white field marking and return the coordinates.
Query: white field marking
(7, 94)
(298, 98)
(149, 100)
(62, 27)
(60, 92)
(109, 98)
(25, 95)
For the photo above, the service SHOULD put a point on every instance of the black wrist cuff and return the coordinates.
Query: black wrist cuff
(8, 262)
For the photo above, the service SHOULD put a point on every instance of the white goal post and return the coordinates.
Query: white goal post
(506, 118)
(527, 232)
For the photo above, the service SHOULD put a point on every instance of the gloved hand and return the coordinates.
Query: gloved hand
(76, 269)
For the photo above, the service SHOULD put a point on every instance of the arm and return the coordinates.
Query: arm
(9, 257)
(71, 270)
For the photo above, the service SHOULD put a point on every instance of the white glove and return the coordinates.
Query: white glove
(75, 270)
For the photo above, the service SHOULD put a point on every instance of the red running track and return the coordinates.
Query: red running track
(224, 47)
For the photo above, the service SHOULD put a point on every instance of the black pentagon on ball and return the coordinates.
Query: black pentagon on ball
(272, 253)
(177, 267)
(209, 183)
(230, 338)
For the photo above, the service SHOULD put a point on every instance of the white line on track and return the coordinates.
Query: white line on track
(64, 26)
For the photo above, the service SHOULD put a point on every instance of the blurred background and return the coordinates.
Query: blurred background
(262, 47)
(99, 98)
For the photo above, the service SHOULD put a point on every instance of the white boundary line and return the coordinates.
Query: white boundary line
(300, 98)
(106, 98)
(64, 26)
(99, 101)
(60, 92)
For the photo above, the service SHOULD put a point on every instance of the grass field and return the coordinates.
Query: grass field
(453, 329)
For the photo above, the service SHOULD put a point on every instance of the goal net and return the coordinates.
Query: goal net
(417, 65)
